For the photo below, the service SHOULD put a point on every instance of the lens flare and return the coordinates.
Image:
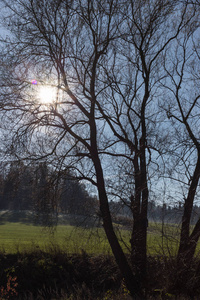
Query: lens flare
(34, 81)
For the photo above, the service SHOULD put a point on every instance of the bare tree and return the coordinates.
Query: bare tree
(103, 61)
(182, 108)
(147, 30)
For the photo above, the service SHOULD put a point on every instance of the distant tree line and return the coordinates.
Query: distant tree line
(156, 212)
(170, 213)
(39, 188)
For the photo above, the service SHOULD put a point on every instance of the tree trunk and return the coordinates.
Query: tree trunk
(189, 201)
(188, 242)
(132, 282)
(188, 247)
(138, 247)
(130, 279)
(139, 232)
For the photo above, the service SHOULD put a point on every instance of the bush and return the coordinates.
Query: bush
(41, 275)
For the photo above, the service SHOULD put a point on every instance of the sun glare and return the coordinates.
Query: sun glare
(47, 95)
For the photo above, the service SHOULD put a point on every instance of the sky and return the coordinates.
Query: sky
(3, 31)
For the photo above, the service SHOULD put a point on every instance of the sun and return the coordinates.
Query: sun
(46, 95)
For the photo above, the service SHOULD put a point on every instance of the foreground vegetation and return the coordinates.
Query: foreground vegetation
(57, 275)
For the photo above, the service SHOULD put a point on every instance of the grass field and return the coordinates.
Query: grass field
(18, 237)
(20, 234)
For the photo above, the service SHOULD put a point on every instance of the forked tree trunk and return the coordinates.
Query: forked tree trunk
(187, 248)
(132, 282)
(188, 241)
(130, 279)
(140, 205)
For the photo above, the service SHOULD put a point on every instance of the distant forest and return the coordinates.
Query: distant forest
(39, 188)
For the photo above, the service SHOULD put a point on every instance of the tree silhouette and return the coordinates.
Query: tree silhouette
(105, 59)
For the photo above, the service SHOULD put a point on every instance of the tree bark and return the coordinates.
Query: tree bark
(188, 242)
(139, 232)
(131, 280)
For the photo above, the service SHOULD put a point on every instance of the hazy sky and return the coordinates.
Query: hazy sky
(3, 32)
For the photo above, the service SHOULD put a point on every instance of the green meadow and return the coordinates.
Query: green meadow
(19, 237)
(22, 235)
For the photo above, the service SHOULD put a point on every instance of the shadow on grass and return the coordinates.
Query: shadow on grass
(25, 217)
(40, 219)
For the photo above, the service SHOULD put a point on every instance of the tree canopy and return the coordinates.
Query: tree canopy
(125, 83)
